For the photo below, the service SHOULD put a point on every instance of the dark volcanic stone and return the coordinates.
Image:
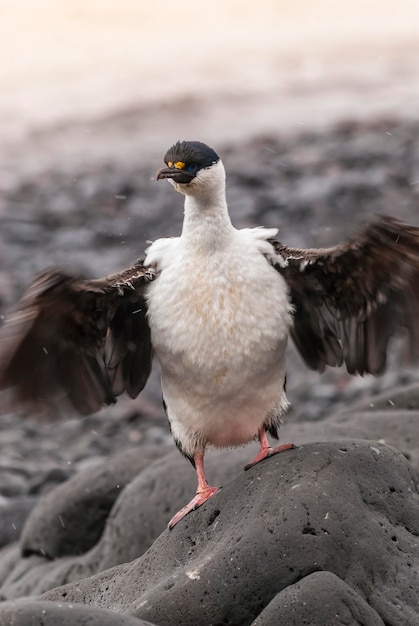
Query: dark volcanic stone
(404, 398)
(348, 508)
(398, 428)
(70, 519)
(319, 598)
(9, 558)
(42, 613)
(13, 514)
(140, 514)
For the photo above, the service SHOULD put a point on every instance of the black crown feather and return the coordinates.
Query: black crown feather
(192, 153)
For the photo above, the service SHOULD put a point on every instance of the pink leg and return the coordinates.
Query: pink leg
(266, 450)
(203, 492)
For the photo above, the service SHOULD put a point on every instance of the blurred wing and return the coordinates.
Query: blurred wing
(349, 300)
(77, 342)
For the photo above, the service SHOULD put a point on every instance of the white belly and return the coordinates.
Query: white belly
(219, 328)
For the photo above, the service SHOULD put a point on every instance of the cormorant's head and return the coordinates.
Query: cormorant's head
(188, 164)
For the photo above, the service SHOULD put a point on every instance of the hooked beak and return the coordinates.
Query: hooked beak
(177, 175)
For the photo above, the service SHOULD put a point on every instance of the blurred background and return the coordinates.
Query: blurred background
(313, 106)
(220, 70)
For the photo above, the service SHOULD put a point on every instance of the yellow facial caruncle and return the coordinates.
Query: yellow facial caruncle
(179, 165)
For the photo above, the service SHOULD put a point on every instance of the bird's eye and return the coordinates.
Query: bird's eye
(192, 168)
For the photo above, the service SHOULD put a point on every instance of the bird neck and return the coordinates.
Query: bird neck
(206, 223)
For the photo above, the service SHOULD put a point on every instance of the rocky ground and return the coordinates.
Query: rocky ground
(336, 517)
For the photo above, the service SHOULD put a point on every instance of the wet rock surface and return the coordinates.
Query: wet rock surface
(349, 508)
(70, 520)
(44, 613)
(319, 598)
(139, 515)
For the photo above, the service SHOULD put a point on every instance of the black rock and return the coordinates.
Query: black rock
(139, 515)
(71, 518)
(319, 598)
(43, 613)
(13, 514)
(348, 508)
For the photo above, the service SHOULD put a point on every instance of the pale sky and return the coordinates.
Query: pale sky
(64, 59)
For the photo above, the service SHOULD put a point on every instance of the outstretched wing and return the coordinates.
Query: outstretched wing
(349, 300)
(77, 342)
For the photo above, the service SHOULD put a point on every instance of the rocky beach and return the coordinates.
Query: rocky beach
(315, 138)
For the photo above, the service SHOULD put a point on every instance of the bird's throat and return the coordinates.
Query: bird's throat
(207, 225)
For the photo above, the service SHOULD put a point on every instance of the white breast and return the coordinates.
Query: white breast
(219, 327)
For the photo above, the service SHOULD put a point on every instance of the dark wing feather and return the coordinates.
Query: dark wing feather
(127, 349)
(349, 300)
(77, 342)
